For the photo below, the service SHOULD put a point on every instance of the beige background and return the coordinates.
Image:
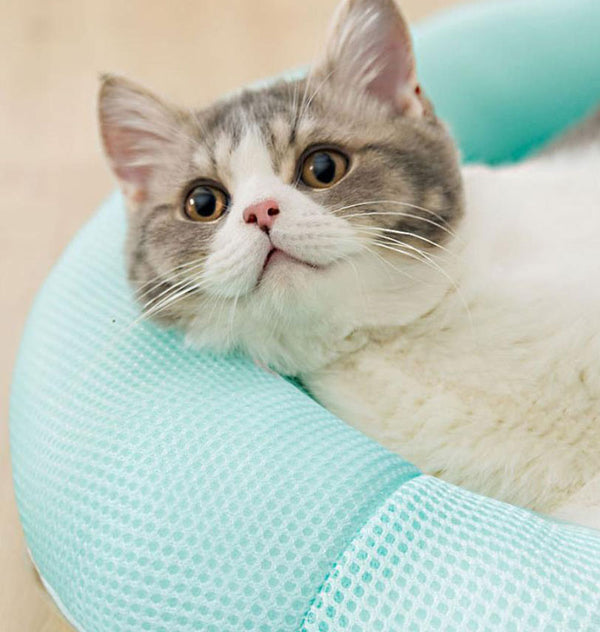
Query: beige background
(52, 174)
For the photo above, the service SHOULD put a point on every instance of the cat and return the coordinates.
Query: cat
(325, 227)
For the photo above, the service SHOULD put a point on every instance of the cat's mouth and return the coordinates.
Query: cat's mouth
(276, 255)
(276, 258)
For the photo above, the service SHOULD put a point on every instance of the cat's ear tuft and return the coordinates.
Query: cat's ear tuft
(138, 132)
(370, 48)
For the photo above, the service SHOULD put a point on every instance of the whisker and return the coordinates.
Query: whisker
(434, 265)
(399, 213)
(399, 202)
(408, 234)
(308, 79)
(166, 276)
(198, 282)
(314, 94)
(124, 331)
(391, 265)
(170, 283)
(399, 250)
(347, 259)
(424, 256)
(166, 302)
(296, 90)
(160, 302)
(408, 216)
(300, 110)
(231, 319)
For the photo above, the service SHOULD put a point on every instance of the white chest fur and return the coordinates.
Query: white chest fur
(503, 398)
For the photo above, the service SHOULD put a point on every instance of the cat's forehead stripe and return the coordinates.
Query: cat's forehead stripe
(252, 156)
(266, 117)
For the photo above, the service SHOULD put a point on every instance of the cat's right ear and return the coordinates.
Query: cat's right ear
(369, 50)
(138, 132)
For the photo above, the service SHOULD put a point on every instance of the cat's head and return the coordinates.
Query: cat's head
(286, 220)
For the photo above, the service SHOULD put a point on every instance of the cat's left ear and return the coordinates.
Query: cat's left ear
(140, 134)
(369, 48)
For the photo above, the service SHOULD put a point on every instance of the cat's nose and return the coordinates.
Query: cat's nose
(262, 213)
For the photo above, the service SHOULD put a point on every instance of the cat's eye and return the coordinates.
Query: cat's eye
(205, 203)
(323, 168)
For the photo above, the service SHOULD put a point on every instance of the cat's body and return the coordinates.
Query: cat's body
(498, 387)
(324, 227)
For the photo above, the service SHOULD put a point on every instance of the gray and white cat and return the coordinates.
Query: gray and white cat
(324, 227)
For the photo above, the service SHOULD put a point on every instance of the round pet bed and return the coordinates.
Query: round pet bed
(166, 490)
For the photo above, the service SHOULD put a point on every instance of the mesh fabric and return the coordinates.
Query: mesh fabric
(435, 557)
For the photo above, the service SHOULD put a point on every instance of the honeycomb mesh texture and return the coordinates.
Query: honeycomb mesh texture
(435, 557)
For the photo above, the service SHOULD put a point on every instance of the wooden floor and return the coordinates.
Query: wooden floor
(52, 174)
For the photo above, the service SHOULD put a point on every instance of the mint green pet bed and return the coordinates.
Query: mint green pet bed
(166, 490)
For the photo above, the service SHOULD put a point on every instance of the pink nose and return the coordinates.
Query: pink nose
(262, 213)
